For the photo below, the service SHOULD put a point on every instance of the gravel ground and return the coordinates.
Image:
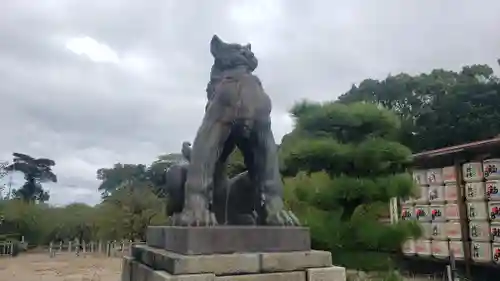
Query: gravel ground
(63, 267)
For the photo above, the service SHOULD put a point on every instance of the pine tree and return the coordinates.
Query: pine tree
(342, 166)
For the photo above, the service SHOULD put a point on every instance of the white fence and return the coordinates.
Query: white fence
(6, 249)
(105, 248)
(108, 248)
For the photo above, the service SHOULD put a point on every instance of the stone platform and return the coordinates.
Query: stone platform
(228, 239)
(152, 262)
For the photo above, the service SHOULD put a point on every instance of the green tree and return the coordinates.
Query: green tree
(3, 172)
(36, 171)
(235, 164)
(123, 215)
(119, 176)
(74, 221)
(437, 109)
(129, 211)
(33, 221)
(342, 165)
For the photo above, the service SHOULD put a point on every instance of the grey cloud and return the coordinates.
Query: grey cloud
(87, 115)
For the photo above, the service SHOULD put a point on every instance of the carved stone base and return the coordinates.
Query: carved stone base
(150, 264)
(228, 239)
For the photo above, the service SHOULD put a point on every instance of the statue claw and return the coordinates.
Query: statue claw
(193, 218)
(283, 218)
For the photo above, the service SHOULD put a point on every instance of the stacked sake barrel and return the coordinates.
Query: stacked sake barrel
(492, 186)
(483, 205)
(477, 211)
(445, 224)
(408, 213)
(451, 228)
(420, 246)
(435, 208)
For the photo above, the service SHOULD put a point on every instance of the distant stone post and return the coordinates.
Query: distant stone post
(51, 251)
(108, 249)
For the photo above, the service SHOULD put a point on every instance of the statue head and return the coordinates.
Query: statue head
(232, 55)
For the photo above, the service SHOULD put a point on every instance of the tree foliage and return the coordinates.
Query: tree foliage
(343, 165)
(123, 215)
(36, 171)
(120, 175)
(236, 163)
(129, 211)
(440, 108)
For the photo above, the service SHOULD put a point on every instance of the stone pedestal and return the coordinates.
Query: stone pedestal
(228, 239)
(263, 261)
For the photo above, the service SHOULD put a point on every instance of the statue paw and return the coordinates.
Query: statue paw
(193, 218)
(283, 218)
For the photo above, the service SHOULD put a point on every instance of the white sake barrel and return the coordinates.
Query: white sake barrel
(407, 213)
(451, 211)
(472, 171)
(481, 251)
(495, 231)
(423, 247)
(492, 190)
(426, 230)
(450, 192)
(457, 249)
(438, 231)
(495, 249)
(449, 175)
(494, 211)
(409, 247)
(422, 196)
(439, 249)
(453, 230)
(423, 212)
(420, 177)
(477, 211)
(491, 169)
(434, 176)
(479, 230)
(475, 191)
(436, 194)
(438, 212)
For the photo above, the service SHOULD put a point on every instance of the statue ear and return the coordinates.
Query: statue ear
(249, 46)
(215, 45)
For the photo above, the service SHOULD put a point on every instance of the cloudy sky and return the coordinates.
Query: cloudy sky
(91, 83)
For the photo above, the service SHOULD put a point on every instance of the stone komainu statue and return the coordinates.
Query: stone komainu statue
(237, 115)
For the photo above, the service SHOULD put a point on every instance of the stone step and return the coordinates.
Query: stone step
(225, 264)
(135, 271)
(228, 239)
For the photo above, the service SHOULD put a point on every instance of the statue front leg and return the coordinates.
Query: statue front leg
(206, 150)
(269, 178)
(221, 184)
